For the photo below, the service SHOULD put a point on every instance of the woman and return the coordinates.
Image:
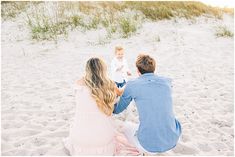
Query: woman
(92, 132)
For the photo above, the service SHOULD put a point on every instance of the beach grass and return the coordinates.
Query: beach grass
(223, 31)
(10, 10)
(49, 20)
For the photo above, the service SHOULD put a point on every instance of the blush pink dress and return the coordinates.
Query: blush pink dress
(92, 132)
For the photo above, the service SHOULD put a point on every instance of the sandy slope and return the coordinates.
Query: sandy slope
(37, 83)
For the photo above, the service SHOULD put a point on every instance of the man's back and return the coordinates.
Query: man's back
(158, 130)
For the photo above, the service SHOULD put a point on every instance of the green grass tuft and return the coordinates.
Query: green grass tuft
(127, 27)
(223, 31)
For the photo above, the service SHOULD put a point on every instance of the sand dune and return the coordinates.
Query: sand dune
(37, 83)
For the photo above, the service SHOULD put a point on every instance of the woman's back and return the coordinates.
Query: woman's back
(92, 132)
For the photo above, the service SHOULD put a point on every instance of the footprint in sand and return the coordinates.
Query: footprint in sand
(34, 126)
(40, 151)
(61, 133)
(16, 152)
(25, 133)
(39, 141)
(6, 126)
(59, 123)
(219, 146)
(25, 117)
(18, 144)
(204, 147)
(43, 123)
(5, 136)
(52, 128)
(185, 138)
(10, 117)
(18, 124)
(6, 146)
(51, 114)
(230, 154)
(185, 149)
(55, 124)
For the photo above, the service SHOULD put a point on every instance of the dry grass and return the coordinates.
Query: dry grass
(49, 20)
(10, 10)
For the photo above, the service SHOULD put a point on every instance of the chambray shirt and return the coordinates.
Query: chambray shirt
(159, 130)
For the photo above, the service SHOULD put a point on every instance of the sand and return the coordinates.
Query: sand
(37, 83)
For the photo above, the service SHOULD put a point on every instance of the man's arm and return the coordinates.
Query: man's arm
(124, 100)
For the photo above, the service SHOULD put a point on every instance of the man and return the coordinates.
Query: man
(158, 130)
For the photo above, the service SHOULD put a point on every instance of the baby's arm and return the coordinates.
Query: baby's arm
(127, 68)
(120, 68)
(114, 67)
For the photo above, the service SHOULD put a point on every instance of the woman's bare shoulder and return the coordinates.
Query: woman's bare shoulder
(80, 82)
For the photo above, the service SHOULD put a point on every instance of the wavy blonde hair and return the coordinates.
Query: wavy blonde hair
(102, 88)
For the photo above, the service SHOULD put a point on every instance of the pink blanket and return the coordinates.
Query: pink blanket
(123, 147)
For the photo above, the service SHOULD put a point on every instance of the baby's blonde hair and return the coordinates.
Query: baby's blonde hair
(118, 48)
(102, 88)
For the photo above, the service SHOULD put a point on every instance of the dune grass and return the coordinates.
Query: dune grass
(223, 31)
(49, 20)
(10, 10)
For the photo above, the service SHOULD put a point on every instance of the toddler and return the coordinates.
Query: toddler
(119, 68)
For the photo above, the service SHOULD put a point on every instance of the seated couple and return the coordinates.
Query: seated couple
(93, 132)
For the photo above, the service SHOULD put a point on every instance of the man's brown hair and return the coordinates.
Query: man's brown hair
(145, 64)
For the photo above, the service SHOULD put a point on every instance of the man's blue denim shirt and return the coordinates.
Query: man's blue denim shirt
(159, 130)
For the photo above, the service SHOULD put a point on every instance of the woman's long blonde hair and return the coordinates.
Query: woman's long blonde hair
(102, 88)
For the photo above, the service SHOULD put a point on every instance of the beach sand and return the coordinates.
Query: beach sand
(38, 78)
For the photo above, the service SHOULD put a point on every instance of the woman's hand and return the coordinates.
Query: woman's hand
(119, 91)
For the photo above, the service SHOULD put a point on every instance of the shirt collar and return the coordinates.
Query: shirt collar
(147, 74)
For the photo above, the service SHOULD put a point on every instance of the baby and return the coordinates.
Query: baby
(119, 68)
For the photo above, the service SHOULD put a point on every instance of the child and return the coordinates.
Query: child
(119, 67)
